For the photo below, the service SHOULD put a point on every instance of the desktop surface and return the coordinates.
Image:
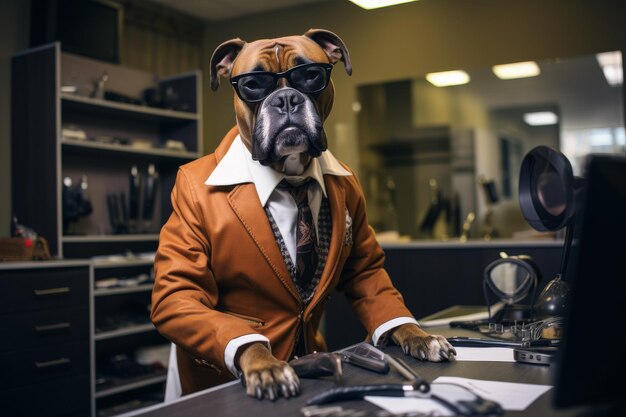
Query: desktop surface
(230, 400)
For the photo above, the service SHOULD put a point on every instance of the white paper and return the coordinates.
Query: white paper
(399, 405)
(510, 395)
(484, 354)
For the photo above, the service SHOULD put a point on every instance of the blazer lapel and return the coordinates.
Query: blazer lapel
(337, 203)
(244, 201)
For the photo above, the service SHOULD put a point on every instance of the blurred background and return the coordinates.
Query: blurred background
(430, 158)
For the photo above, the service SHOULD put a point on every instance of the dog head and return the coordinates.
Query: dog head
(283, 94)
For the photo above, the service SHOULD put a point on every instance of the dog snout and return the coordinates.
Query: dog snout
(286, 100)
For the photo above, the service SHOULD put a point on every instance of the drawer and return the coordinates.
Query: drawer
(50, 399)
(39, 289)
(42, 328)
(34, 366)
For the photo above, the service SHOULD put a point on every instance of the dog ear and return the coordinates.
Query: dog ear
(332, 45)
(222, 60)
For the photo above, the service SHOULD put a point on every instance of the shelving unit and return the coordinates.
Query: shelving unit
(121, 325)
(118, 136)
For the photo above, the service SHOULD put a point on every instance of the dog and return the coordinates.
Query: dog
(283, 128)
(283, 93)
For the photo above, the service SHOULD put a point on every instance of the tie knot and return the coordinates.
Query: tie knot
(298, 192)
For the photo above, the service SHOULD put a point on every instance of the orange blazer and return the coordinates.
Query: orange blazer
(220, 274)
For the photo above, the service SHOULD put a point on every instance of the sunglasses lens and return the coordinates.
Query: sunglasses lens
(309, 79)
(255, 87)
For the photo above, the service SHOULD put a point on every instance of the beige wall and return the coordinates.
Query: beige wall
(410, 40)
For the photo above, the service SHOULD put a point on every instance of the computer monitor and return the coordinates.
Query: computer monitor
(591, 362)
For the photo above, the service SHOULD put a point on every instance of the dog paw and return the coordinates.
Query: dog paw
(266, 377)
(417, 343)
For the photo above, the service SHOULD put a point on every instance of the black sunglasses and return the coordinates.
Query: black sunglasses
(255, 86)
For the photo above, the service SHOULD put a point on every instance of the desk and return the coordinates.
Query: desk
(230, 400)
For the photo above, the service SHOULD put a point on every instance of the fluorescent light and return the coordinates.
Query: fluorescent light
(541, 118)
(611, 63)
(516, 70)
(375, 4)
(447, 78)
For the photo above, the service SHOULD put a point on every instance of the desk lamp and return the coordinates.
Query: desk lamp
(547, 195)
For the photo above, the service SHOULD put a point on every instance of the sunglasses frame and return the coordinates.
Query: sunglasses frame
(286, 75)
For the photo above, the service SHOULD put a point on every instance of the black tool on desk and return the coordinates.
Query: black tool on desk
(456, 398)
(479, 342)
(366, 356)
(318, 364)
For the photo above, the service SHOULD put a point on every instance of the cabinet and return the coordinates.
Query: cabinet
(45, 327)
(76, 120)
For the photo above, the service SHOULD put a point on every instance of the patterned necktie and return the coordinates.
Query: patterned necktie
(306, 239)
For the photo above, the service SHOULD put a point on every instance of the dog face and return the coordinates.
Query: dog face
(283, 94)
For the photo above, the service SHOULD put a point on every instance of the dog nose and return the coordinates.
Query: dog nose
(287, 100)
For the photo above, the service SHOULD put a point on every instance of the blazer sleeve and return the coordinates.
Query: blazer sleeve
(185, 291)
(365, 282)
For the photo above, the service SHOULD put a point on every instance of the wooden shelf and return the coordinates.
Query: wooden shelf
(111, 238)
(127, 385)
(102, 292)
(91, 146)
(125, 331)
(108, 106)
(121, 263)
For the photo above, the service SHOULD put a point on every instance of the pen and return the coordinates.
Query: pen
(408, 372)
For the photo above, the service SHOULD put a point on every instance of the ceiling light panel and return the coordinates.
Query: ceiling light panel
(375, 4)
(448, 78)
(517, 70)
(611, 63)
(542, 118)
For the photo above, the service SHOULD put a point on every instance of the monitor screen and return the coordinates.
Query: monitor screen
(590, 360)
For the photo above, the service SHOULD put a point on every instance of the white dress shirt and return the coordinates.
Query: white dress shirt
(238, 167)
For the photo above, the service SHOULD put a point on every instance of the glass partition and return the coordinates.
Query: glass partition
(442, 163)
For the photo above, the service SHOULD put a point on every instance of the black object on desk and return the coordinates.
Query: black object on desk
(456, 398)
(318, 364)
(366, 356)
(535, 356)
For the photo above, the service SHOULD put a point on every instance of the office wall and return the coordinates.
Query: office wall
(13, 37)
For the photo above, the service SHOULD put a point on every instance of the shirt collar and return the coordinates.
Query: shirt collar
(238, 167)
